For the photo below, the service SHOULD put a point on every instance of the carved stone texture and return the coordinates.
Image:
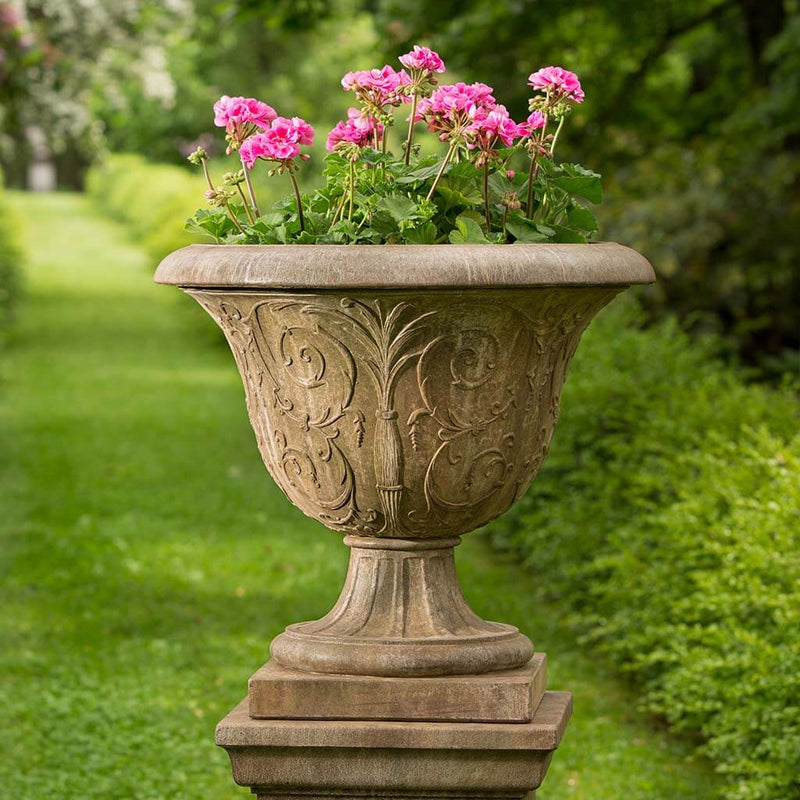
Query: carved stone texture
(402, 420)
(403, 396)
(410, 415)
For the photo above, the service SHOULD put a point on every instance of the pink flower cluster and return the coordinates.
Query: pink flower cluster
(452, 108)
(10, 18)
(535, 122)
(357, 129)
(423, 59)
(457, 98)
(489, 126)
(378, 87)
(236, 113)
(279, 142)
(560, 83)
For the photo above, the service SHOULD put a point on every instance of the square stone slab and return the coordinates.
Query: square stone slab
(510, 696)
(324, 760)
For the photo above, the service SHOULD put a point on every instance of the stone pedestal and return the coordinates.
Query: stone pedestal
(323, 760)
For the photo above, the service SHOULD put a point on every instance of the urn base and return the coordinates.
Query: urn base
(401, 613)
(510, 696)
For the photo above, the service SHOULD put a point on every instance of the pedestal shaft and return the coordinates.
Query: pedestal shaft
(401, 613)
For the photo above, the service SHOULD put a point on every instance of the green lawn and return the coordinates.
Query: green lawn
(147, 558)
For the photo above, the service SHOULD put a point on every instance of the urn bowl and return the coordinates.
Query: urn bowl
(403, 395)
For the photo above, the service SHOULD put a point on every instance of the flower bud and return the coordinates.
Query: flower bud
(233, 178)
(198, 156)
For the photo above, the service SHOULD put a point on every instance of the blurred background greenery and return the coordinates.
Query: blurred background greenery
(660, 541)
(691, 112)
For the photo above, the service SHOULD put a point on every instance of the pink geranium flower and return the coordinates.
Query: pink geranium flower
(423, 59)
(452, 108)
(378, 87)
(356, 129)
(236, 112)
(535, 122)
(280, 142)
(489, 125)
(559, 82)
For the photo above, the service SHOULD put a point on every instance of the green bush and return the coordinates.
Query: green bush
(666, 520)
(9, 262)
(153, 200)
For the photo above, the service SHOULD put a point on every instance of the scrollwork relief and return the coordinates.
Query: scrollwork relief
(413, 415)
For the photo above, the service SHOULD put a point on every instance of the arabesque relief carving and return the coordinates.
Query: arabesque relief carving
(414, 415)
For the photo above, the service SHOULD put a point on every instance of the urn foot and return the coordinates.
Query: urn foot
(401, 613)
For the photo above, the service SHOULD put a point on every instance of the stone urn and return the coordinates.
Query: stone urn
(403, 396)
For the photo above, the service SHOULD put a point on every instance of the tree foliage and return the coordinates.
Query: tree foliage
(690, 112)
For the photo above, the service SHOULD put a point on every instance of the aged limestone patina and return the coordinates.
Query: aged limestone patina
(402, 396)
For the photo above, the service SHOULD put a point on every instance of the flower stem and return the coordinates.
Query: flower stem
(534, 168)
(352, 188)
(486, 197)
(299, 201)
(250, 189)
(233, 218)
(208, 177)
(445, 162)
(339, 208)
(245, 203)
(407, 156)
(555, 136)
(532, 173)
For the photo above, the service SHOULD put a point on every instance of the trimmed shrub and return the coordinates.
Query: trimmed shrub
(10, 256)
(666, 520)
(153, 200)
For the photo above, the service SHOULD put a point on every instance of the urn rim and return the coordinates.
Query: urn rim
(388, 267)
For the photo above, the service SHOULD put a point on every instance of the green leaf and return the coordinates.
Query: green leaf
(269, 220)
(499, 185)
(384, 223)
(588, 188)
(424, 234)
(459, 194)
(214, 223)
(399, 207)
(568, 235)
(581, 217)
(525, 232)
(467, 232)
(420, 174)
(578, 181)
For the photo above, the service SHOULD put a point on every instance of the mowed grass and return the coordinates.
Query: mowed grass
(147, 558)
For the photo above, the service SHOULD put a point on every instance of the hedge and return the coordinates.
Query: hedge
(153, 200)
(10, 256)
(666, 522)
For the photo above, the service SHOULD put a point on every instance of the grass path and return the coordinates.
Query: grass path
(147, 559)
